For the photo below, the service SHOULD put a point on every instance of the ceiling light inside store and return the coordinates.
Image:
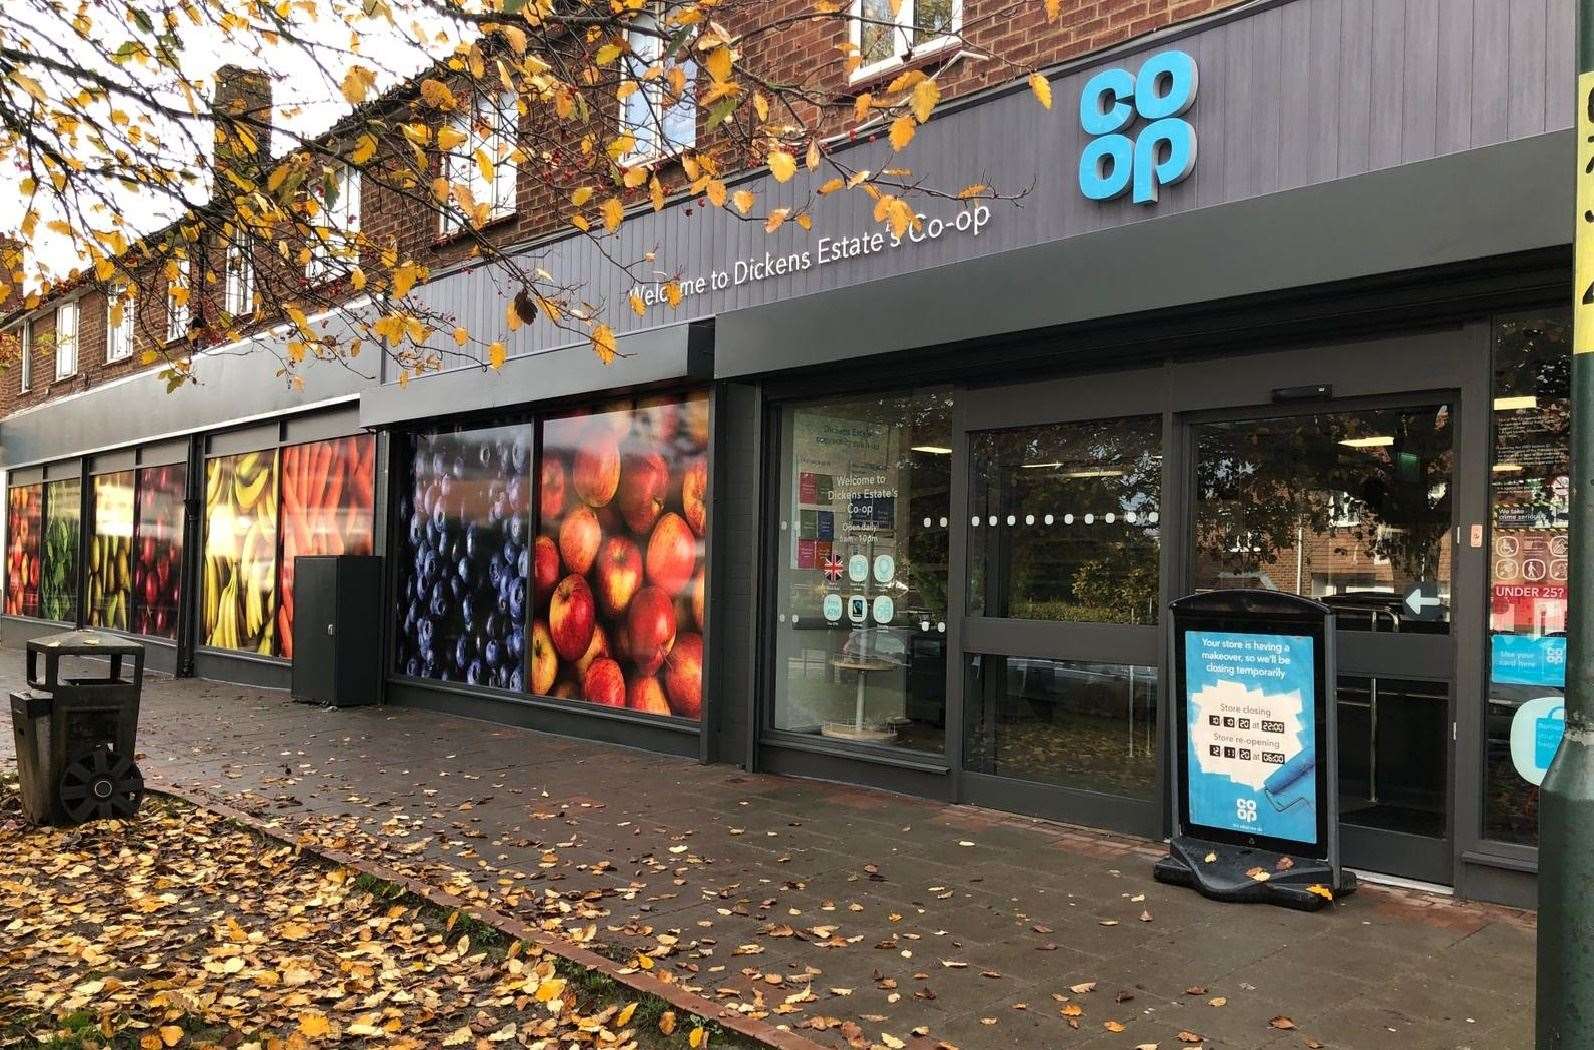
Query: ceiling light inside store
(934, 450)
(1377, 441)
(1511, 404)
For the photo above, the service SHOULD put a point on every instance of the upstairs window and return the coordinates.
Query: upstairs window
(24, 336)
(659, 112)
(483, 166)
(66, 340)
(177, 300)
(238, 290)
(118, 325)
(335, 223)
(885, 38)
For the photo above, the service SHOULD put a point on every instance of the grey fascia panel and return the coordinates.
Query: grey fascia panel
(653, 356)
(1511, 197)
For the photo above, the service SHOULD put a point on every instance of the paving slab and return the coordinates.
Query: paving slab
(818, 903)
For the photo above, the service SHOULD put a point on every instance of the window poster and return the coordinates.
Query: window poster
(845, 486)
(1250, 706)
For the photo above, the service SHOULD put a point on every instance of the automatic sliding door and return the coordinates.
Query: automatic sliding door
(1356, 509)
(1061, 643)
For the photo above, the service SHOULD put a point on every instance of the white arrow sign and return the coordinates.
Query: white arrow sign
(1416, 601)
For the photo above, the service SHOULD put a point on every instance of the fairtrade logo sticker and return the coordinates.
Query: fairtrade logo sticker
(885, 568)
(884, 609)
(833, 608)
(858, 568)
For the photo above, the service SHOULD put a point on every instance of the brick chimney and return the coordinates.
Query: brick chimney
(241, 108)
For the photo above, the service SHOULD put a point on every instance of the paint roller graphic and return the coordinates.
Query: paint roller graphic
(1289, 784)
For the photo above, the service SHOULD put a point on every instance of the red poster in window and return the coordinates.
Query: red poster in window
(806, 554)
(327, 504)
(807, 488)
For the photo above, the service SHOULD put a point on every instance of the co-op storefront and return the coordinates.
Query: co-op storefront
(909, 511)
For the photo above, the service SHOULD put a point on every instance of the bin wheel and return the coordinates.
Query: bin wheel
(101, 784)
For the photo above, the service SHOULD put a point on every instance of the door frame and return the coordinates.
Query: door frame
(1065, 399)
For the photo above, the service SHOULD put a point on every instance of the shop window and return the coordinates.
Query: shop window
(63, 520)
(618, 560)
(66, 319)
(658, 112)
(328, 499)
(463, 557)
(1075, 724)
(118, 325)
(1064, 521)
(110, 565)
(24, 518)
(482, 167)
(158, 550)
(1393, 770)
(1353, 508)
(859, 604)
(888, 32)
(1529, 492)
(239, 588)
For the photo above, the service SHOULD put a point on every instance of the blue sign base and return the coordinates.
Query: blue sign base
(1244, 875)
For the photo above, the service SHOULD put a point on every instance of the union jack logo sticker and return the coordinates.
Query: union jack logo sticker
(834, 567)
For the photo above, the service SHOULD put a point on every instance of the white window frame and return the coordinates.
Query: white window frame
(25, 350)
(329, 254)
(652, 129)
(118, 338)
(66, 339)
(905, 49)
(179, 315)
(238, 287)
(490, 124)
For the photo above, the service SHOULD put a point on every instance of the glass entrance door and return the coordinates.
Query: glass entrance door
(1355, 507)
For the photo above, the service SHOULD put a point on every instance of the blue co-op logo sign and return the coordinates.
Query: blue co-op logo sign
(1141, 141)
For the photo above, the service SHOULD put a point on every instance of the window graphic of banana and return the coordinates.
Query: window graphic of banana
(240, 551)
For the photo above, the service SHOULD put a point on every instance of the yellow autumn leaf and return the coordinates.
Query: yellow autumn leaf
(811, 157)
(1053, 9)
(418, 134)
(357, 83)
(744, 200)
(364, 149)
(170, 1035)
(718, 63)
(831, 186)
(775, 219)
(634, 177)
(623, 1018)
(461, 336)
(698, 1039)
(782, 165)
(656, 193)
(613, 213)
(804, 220)
(449, 137)
(638, 307)
(580, 195)
(715, 192)
(496, 355)
(926, 93)
(603, 344)
(667, 1022)
(902, 131)
(672, 294)
(862, 105)
(313, 1024)
(1042, 89)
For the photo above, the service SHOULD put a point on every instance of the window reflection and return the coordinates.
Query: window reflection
(1529, 494)
(1352, 508)
(1064, 521)
(860, 626)
(1074, 724)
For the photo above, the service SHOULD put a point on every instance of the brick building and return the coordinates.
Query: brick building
(910, 510)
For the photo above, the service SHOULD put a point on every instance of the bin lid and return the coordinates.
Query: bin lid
(85, 643)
